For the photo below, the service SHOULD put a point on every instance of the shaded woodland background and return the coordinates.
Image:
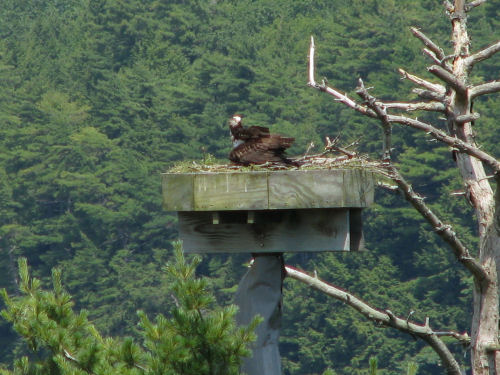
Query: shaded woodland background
(98, 97)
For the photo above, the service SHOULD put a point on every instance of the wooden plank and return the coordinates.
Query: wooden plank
(358, 188)
(177, 191)
(305, 230)
(306, 189)
(261, 190)
(230, 191)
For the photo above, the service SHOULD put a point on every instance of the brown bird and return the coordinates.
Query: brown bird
(255, 145)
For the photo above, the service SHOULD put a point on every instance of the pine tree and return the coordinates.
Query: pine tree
(197, 338)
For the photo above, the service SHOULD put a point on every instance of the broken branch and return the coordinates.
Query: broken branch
(444, 231)
(467, 118)
(386, 318)
(484, 54)
(473, 4)
(485, 88)
(438, 51)
(312, 81)
(339, 96)
(422, 82)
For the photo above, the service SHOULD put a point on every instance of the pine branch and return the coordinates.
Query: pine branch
(386, 318)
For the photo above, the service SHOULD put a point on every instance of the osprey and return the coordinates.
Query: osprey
(255, 145)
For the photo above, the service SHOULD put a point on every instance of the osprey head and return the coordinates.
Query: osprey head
(235, 121)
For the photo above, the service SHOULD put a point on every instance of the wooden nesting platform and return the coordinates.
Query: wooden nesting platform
(269, 211)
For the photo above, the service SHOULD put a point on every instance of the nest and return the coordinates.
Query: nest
(209, 165)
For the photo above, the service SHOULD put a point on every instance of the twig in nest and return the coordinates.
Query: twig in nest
(332, 146)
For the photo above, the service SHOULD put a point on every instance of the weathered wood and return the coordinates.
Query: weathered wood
(178, 193)
(264, 190)
(230, 191)
(324, 229)
(308, 189)
(357, 191)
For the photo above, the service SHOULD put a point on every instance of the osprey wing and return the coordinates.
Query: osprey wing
(262, 150)
(253, 132)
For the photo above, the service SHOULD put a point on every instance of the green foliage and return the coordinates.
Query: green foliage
(195, 340)
(373, 366)
(198, 338)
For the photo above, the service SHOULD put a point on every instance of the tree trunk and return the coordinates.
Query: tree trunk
(484, 329)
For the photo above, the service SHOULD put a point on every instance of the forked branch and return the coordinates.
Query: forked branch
(444, 231)
(387, 318)
(438, 134)
(449, 78)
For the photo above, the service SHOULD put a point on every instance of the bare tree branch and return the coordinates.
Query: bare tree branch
(467, 118)
(434, 132)
(484, 54)
(438, 51)
(332, 145)
(485, 88)
(312, 81)
(473, 4)
(440, 89)
(450, 141)
(381, 112)
(419, 106)
(449, 6)
(449, 78)
(432, 56)
(429, 95)
(339, 96)
(444, 231)
(386, 318)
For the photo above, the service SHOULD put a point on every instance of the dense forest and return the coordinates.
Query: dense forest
(98, 97)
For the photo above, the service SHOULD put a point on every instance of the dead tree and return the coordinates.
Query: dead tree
(451, 96)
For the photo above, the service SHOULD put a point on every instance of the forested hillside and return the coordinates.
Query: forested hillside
(98, 97)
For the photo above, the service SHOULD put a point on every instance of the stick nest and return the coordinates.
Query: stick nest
(210, 165)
